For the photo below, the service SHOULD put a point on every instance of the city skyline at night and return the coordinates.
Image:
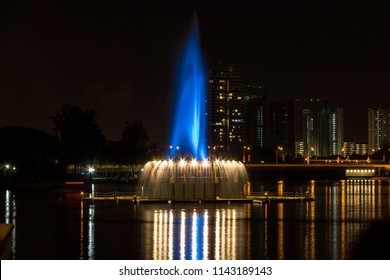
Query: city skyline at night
(118, 59)
(234, 130)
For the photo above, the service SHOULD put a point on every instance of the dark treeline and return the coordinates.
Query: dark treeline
(77, 141)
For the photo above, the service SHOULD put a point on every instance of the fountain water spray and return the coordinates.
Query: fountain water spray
(188, 174)
(189, 123)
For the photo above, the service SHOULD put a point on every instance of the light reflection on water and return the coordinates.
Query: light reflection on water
(188, 232)
(330, 227)
(10, 215)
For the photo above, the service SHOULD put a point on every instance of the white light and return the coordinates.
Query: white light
(91, 169)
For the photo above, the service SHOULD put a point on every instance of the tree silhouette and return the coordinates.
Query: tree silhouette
(131, 149)
(134, 139)
(28, 153)
(79, 135)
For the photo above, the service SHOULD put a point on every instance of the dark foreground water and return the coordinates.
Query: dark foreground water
(347, 220)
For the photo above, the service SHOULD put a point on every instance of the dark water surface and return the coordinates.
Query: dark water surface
(347, 220)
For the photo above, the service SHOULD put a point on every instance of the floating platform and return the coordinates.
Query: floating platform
(255, 198)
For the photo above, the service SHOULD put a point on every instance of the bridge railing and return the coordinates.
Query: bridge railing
(284, 194)
(109, 194)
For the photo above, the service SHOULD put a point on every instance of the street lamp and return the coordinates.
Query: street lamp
(279, 148)
(313, 154)
(91, 170)
(244, 154)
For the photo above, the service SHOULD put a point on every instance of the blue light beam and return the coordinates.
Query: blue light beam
(189, 123)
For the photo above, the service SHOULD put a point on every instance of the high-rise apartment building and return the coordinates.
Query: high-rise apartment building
(378, 129)
(270, 124)
(226, 112)
(281, 126)
(308, 119)
(256, 113)
(319, 127)
(332, 128)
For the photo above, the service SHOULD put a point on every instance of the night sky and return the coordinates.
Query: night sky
(118, 57)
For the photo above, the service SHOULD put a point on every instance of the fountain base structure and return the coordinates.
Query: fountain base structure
(193, 180)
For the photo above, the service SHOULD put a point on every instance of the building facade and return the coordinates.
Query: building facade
(308, 116)
(226, 112)
(353, 148)
(281, 127)
(378, 129)
(256, 112)
(270, 124)
(332, 128)
(320, 127)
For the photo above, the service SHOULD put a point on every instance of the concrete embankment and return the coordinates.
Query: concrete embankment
(5, 241)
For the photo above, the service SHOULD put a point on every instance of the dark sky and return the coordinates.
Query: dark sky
(117, 57)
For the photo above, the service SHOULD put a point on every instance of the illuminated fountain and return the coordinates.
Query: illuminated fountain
(182, 180)
(188, 174)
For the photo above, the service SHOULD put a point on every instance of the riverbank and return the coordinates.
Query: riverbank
(59, 183)
(5, 241)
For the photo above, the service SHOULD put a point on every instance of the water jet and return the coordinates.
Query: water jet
(188, 174)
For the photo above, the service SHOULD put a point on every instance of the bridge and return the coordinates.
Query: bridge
(318, 170)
